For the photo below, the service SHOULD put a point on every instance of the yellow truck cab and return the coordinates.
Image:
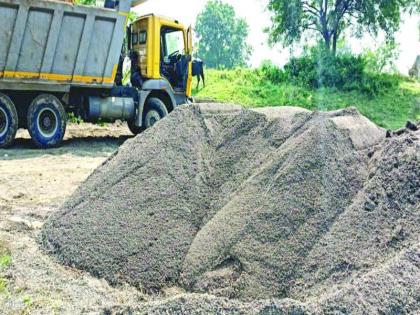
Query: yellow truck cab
(58, 58)
(160, 51)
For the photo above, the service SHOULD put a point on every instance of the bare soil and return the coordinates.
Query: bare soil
(33, 184)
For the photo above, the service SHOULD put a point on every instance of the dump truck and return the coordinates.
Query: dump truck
(58, 58)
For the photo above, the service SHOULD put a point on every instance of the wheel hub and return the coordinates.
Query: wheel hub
(152, 117)
(4, 122)
(47, 122)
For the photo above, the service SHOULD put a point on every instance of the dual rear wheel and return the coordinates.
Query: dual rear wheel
(8, 121)
(46, 121)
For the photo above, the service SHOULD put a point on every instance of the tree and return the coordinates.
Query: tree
(222, 36)
(85, 2)
(382, 59)
(329, 18)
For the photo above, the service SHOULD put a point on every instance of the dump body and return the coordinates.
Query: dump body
(58, 45)
(58, 58)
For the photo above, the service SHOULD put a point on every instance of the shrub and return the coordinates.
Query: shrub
(303, 71)
(346, 72)
(383, 59)
(320, 68)
(375, 84)
(271, 72)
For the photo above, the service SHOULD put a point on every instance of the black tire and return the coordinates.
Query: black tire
(155, 110)
(134, 129)
(8, 121)
(47, 121)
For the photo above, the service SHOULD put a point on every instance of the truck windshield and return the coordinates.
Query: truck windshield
(174, 42)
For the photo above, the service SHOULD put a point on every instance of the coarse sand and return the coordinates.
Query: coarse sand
(271, 211)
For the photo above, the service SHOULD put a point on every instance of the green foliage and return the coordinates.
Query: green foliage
(5, 260)
(328, 19)
(71, 117)
(326, 70)
(132, 16)
(393, 106)
(5, 257)
(27, 300)
(272, 72)
(319, 68)
(3, 286)
(373, 84)
(85, 2)
(382, 59)
(222, 36)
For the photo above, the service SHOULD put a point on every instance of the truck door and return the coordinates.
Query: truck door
(175, 60)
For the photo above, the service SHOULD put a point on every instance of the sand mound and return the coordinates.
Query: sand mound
(253, 204)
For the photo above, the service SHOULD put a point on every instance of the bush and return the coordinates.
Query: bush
(302, 70)
(375, 84)
(318, 68)
(322, 69)
(271, 72)
(383, 59)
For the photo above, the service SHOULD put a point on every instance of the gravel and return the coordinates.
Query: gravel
(271, 211)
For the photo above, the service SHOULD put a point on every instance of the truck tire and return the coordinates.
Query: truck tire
(155, 110)
(134, 129)
(47, 121)
(8, 121)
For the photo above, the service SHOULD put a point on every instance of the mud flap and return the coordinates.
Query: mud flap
(140, 107)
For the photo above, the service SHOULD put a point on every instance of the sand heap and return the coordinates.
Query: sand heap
(315, 208)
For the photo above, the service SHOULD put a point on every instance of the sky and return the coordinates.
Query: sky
(255, 13)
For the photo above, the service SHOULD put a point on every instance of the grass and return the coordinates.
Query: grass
(391, 109)
(5, 261)
(27, 300)
(5, 256)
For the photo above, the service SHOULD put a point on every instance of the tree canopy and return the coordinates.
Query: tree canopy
(329, 18)
(222, 36)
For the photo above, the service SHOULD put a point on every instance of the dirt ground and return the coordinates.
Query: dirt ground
(33, 183)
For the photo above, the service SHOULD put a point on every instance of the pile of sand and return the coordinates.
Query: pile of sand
(316, 210)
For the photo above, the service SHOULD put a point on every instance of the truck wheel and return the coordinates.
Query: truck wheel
(46, 121)
(8, 121)
(134, 129)
(155, 111)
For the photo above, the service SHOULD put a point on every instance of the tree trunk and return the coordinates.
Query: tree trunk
(327, 40)
(335, 39)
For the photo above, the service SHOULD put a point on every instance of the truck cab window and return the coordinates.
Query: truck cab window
(174, 62)
(174, 43)
(142, 38)
(135, 38)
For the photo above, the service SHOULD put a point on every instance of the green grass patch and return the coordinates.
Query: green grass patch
(27, 300)
(3, 286)
(5, 261)
(5, 256)
(390, 109)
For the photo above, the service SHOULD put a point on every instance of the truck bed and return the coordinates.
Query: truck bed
(57, 45)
